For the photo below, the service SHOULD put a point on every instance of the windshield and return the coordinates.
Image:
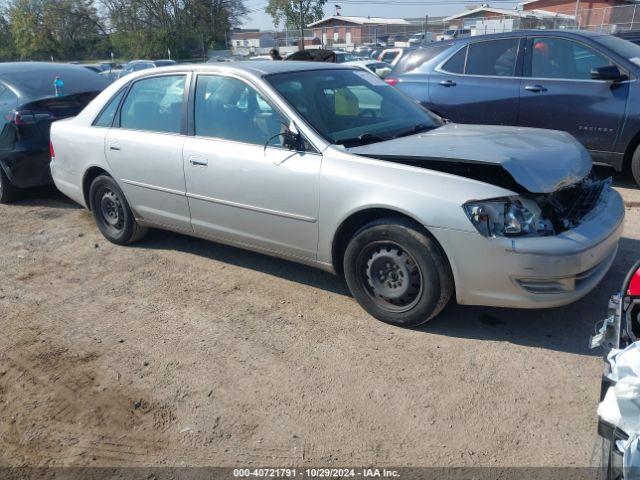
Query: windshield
(622, 47)
(352, 107)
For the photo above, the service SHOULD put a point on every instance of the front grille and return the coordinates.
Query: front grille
(568, 207)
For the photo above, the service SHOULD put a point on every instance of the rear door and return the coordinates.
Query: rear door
(478, 83)
(144, 149)
(558, 93)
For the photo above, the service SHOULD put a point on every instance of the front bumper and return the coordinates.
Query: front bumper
(535, 272)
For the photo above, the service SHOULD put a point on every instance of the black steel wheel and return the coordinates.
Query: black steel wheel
(112, 213)
(397, 272)
(390, 276)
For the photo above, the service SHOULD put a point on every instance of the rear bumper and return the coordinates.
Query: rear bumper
(29, 168)
(535, 272)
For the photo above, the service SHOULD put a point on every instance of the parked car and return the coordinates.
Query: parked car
(136, 66)
(579, 82)
(320, 55)
(28, 105)
(453, 34)
(618, 331)
(392, 55)
(348, 175)
(164, 63)
(421, 37)
(381, 69)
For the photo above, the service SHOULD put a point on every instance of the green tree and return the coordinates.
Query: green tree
(288, 12)
(62, 29)
(7, 43)
(148, 28)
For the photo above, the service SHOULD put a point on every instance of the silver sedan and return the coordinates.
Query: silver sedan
(329, 166)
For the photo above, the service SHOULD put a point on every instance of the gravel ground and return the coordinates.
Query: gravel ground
(177, 351)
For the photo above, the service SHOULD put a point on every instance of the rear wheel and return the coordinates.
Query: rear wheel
(112, 213)
(8, 191)
(635, 166)
(397, 273)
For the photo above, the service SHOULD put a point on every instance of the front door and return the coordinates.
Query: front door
(559, 93)
(144, 150)
(242, 185)
(478, 84)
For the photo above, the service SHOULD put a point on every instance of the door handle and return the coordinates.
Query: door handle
(114, 146)
(198, 161)
(448, 83)
(535, 88)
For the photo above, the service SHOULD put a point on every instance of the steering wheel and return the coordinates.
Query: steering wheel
(367, 112)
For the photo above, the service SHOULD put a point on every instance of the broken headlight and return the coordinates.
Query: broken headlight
(508, 217)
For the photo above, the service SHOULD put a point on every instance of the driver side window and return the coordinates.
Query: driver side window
(230, 109)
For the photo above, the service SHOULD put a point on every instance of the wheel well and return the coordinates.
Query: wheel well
(88, 179)
(354, 223)
(628, 154)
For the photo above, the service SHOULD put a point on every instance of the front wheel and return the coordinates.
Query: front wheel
(112, 213)
(397, 273)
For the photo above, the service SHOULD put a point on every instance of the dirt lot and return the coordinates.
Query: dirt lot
(178, 351)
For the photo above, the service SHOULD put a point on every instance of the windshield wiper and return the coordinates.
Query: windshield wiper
(363, 139)
(417, 128)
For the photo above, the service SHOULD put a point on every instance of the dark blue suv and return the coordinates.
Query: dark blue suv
(581, 82)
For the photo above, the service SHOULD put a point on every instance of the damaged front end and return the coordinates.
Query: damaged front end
(546, 214)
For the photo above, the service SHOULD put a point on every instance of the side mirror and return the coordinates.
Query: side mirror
(609, 73)
(291, 138)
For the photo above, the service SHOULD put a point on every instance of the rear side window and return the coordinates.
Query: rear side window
(456, 63)
(493, 58)
(105, 119)
(154, 104)
(417, 58)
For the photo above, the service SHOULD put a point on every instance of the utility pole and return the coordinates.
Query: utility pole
(577, 12)
(301, 26)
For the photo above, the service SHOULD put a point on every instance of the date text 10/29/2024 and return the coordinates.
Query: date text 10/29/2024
(315, 473)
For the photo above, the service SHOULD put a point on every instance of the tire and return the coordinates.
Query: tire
(112, 213)
(8, 192)
(397, 273)
(635, 166)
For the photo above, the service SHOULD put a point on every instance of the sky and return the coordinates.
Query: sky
(417, 8)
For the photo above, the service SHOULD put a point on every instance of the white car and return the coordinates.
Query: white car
(329, 166)
(380, 69)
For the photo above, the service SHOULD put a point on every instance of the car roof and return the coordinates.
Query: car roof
(256, 67)
(15, 67)
(529, 33)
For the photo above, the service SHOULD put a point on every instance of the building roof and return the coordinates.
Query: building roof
(247, 35)
(362, 20)
(527, 2)
(509, 13)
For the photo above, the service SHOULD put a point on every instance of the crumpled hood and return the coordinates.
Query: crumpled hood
(541, 161)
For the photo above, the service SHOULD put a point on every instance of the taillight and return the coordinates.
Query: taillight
(52, 152)
(634, 286)
(23, 117)
(392, 81)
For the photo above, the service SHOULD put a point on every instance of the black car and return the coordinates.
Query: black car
(581, 82)
(29, 104)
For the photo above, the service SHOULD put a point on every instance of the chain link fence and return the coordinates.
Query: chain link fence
(343, 35)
